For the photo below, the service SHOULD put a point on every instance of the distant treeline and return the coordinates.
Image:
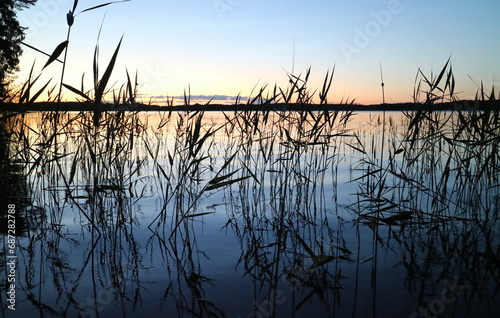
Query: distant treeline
(78, 106)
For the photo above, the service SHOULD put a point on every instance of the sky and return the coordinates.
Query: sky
(226, 48)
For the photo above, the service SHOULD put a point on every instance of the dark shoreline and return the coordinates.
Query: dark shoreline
(78, 107)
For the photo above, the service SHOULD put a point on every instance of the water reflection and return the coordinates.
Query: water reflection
(255, 214)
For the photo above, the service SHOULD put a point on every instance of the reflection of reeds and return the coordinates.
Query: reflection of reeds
(104, 197)
(437, 185)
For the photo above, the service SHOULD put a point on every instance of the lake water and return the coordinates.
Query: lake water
(251, 215)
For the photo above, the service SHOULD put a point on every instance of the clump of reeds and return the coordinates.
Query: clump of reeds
(440, 168)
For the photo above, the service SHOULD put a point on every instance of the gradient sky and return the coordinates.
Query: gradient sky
(227, 47)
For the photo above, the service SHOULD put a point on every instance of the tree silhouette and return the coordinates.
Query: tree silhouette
(11, 35)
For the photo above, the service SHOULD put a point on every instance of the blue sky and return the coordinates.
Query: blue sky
(227, 47)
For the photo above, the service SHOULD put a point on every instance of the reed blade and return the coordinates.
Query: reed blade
(57, 52)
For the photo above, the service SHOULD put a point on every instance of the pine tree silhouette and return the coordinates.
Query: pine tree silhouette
(11, 36)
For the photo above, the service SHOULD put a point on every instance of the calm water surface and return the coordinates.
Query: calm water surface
(250, 216)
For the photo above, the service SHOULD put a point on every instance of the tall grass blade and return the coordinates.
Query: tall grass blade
(197, 214)
(326, 87)
(73, 168)
(222, 178)
(59, 49)
(101, 5)
(39, 51)
(32, 100)
(306, 247)
(225, 183)
(129, 88)
(76, 91)
(107, 74)
(440, 76)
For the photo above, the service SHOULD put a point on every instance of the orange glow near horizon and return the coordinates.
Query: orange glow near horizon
(237, 52)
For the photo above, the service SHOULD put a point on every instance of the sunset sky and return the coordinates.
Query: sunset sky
(227, 47)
